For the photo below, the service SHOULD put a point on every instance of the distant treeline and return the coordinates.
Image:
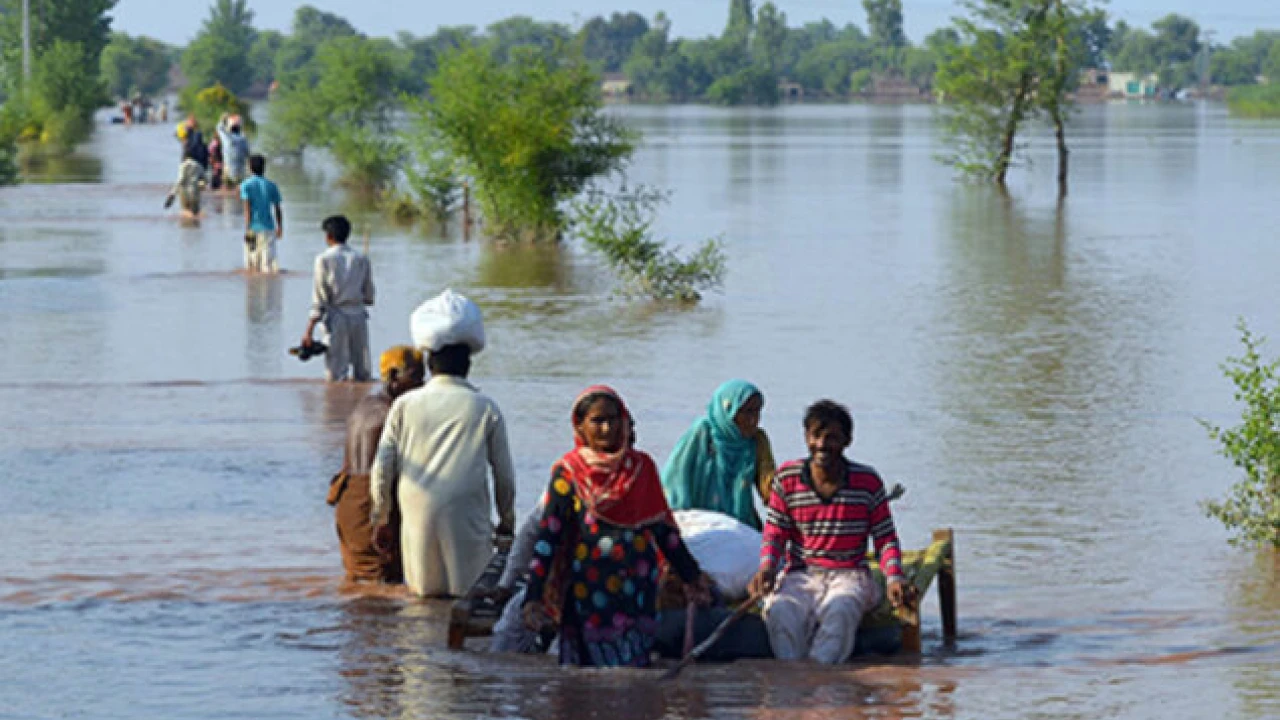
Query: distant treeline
(745, 63)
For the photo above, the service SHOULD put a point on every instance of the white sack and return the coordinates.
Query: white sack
(726, 549)
(447, 319)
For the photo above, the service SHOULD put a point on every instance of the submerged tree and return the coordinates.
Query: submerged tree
(1018, 60)
(220, 52)
(1252, 510)
(530, 132)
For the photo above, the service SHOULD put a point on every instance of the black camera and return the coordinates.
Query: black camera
(306, 352)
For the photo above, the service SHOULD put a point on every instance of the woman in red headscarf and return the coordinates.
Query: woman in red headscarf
(603, 537)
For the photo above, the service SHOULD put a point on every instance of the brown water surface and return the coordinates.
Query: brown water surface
(1032, 372)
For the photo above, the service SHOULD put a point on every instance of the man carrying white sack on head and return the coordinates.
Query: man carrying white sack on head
(437, 449)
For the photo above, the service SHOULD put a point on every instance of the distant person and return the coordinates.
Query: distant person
(342, 289)
(164, 111)
(235, 151)
(193, 142)
(365, 560)
(187, 188)
(263, 218)
(437, 450)
(215, 164)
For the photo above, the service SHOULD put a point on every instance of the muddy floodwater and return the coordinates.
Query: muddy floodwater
(1032, 373)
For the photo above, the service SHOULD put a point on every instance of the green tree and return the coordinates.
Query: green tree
(220, 53)
(1252, 509)
(135, 65)
(884, 19)
(531, 133)
(737, 31)
(84, 22)
(770, 38)
(610, 42)
(262, 57)
(1271, 68)
(1178, 47)
(347, 110)
(62, 96)
(506, 36)
(311, 28)
(1017, 62)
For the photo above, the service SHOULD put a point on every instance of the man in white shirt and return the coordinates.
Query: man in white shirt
(342, 288)
(437, 449)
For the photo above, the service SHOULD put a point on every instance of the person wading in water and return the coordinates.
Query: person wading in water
(370, 559)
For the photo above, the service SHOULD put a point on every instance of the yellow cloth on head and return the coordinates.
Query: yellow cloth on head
(181, 132)
(398, 359)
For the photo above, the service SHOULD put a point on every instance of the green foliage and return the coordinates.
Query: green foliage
(608, 43)
(56, 109)
(1017, 62)
(530, 132)
(1255, 101)
(884, 18)
(344, 104)
(434, 186)
(262, 58)
(620, 229)
(1252, 508)
(135, 65)
(1171, 50)
(210, 104)
(11, 121)
(311, 29)
(83, 22)
(220, 52)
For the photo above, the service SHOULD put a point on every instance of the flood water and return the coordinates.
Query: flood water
(1031, 372)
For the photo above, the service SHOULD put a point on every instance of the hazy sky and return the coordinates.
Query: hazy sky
(176, 21)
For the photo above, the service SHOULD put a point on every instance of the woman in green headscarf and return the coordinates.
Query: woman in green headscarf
(724, 460)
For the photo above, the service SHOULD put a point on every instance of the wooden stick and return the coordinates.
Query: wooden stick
(713, 638)
(366, 243)
(947, 587)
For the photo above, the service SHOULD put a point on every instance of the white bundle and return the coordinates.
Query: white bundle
(726, 549)
(447, 319)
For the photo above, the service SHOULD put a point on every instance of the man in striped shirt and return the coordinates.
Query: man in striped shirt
(813, 564)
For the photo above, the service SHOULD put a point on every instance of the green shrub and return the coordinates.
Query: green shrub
(620, 228)
(1252, 508)
(531, 133)
(210, 103)
(1255, 101)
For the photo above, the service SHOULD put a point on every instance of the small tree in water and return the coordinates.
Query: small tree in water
(620, 228)
(531, 132)
(1018, 61)
(1252, 509)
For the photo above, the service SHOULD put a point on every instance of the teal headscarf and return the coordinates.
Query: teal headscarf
(713, 467)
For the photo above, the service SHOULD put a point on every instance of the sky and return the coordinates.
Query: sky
(177, 21)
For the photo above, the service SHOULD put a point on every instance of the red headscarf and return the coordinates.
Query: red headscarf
(622, 488)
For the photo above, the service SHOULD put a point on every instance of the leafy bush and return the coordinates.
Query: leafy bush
(210, 103)
(620, 228)
(1255, 101)
(531, 132)
(343, 101)
(56, 110)
(1252, 509)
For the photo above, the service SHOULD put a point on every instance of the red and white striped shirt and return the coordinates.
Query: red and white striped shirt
(829, 533)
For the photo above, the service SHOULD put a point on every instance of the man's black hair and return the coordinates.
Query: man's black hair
(257, 164)
(828, 413)
(450, 360)
(337, 227)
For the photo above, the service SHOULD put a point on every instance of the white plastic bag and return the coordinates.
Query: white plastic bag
(726, 549)
(447, 319)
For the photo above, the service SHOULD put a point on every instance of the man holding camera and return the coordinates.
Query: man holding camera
(342, 288)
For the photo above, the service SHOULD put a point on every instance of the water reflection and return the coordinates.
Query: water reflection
(885, 156)
(1255, 610)
(524, 266)
(78, 167)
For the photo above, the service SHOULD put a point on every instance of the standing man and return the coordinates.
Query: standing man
(263, 219)
(437, 449)
(821, 513)
(235, 150)
(402, 370)
(342, 288)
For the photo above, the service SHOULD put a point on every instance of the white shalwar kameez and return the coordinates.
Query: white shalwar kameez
(342, 287)
(437, 449)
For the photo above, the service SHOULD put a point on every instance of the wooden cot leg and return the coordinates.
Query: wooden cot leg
(947, 587)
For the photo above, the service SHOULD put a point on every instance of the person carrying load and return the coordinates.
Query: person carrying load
(438, 448)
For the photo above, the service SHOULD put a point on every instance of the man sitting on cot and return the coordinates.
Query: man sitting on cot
(813, 564)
